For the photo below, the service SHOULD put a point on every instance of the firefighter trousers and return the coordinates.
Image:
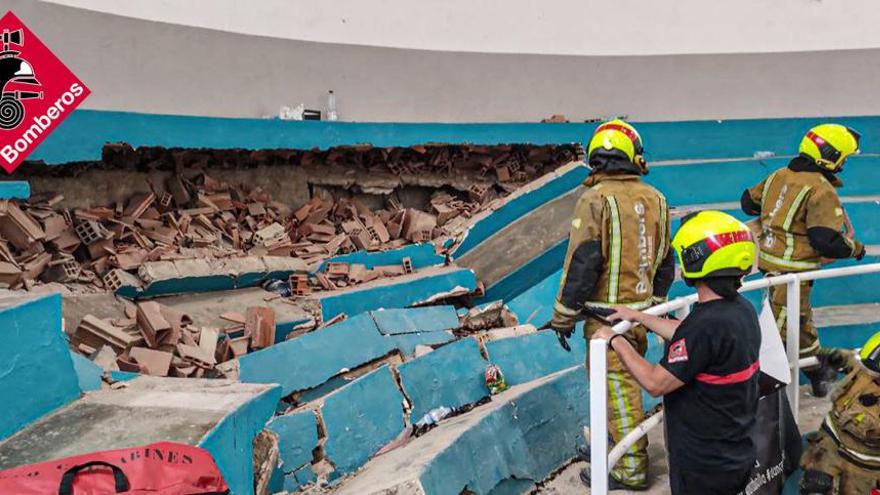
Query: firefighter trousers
(809, 340)
(625, 408)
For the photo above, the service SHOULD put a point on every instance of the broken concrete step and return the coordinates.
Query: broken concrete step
(204, 275)
(525, 433)
(451, 376)
(424, 286)
(415, 320)
(311, 359)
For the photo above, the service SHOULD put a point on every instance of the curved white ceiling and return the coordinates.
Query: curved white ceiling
(561, 27)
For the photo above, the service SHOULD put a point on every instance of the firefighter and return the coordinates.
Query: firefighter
(618, 254)
(801, 227)
(708, 376)
(843, 457)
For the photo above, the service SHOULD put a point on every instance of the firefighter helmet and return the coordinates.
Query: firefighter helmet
(829, 145)
(617, 139)
(870, 353)
(713, 244)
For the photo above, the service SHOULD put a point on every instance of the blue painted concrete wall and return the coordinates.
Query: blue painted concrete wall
(312, 359)
(360, 418)
(14, 189)
(81, 136)
(451, 376)
(230, 442)
(397, 293)
(528, 438)
(37, 374)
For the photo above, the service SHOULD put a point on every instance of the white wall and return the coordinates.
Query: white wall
(146, 66)
(560, 27)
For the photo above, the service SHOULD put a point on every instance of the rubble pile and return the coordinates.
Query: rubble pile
(154, 339)
(195, 216)
(505, 163)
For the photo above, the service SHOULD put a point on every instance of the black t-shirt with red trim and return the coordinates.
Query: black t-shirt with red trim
(709, 421)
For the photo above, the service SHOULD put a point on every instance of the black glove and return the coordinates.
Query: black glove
(859, 251)
(563, 334)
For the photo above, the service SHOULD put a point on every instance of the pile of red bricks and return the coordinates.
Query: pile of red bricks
(157, 340)
(192, 215)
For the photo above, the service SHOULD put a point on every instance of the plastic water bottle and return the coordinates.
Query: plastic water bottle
(331, 106)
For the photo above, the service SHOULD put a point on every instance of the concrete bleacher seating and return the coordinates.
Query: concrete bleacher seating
(48, 416)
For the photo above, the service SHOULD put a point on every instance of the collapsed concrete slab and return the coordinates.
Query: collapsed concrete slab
(530, 227)
(524, 434)
(209, 274)
(219, 415)
(529, 357)
(360, 418)
(426, 286)
(311, 359)
(451, 376)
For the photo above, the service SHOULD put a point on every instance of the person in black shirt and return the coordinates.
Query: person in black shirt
(708, 376)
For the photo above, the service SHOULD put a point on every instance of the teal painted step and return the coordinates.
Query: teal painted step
(451, 376)
(310, 360)
(230, 442)
(82, 135)
(696, 183)
(360, 418)
(527, 438)
(397, 293)
(415, 320)
(38, 372)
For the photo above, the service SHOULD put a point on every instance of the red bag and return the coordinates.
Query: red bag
(163, 468)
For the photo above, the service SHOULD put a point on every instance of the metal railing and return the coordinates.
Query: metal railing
(601, 459)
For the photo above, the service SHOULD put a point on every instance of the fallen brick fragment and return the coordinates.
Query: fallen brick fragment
(260, 326)
(156, 363)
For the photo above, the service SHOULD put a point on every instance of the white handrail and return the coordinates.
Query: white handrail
(600, 461)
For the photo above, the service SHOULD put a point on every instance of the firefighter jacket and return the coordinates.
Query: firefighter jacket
(801, 219)
(618, 250)
(854, 420)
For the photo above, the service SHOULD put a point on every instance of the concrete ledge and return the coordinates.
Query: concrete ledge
(524, 433)
(218, 415)
(451, 376)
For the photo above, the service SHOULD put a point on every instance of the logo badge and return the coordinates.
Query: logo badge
(37, 92)
(678, 352)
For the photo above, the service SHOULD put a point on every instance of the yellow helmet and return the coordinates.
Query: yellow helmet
(829, 145)
(870, 353)
(617, 138)
(711, 244)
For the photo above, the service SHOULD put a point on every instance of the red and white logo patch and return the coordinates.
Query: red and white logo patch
(678, 352)
(37, 92)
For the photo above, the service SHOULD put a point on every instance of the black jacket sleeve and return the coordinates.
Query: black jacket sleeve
(583, 273)
(829, 242)
(749, 207)
(665, 275)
